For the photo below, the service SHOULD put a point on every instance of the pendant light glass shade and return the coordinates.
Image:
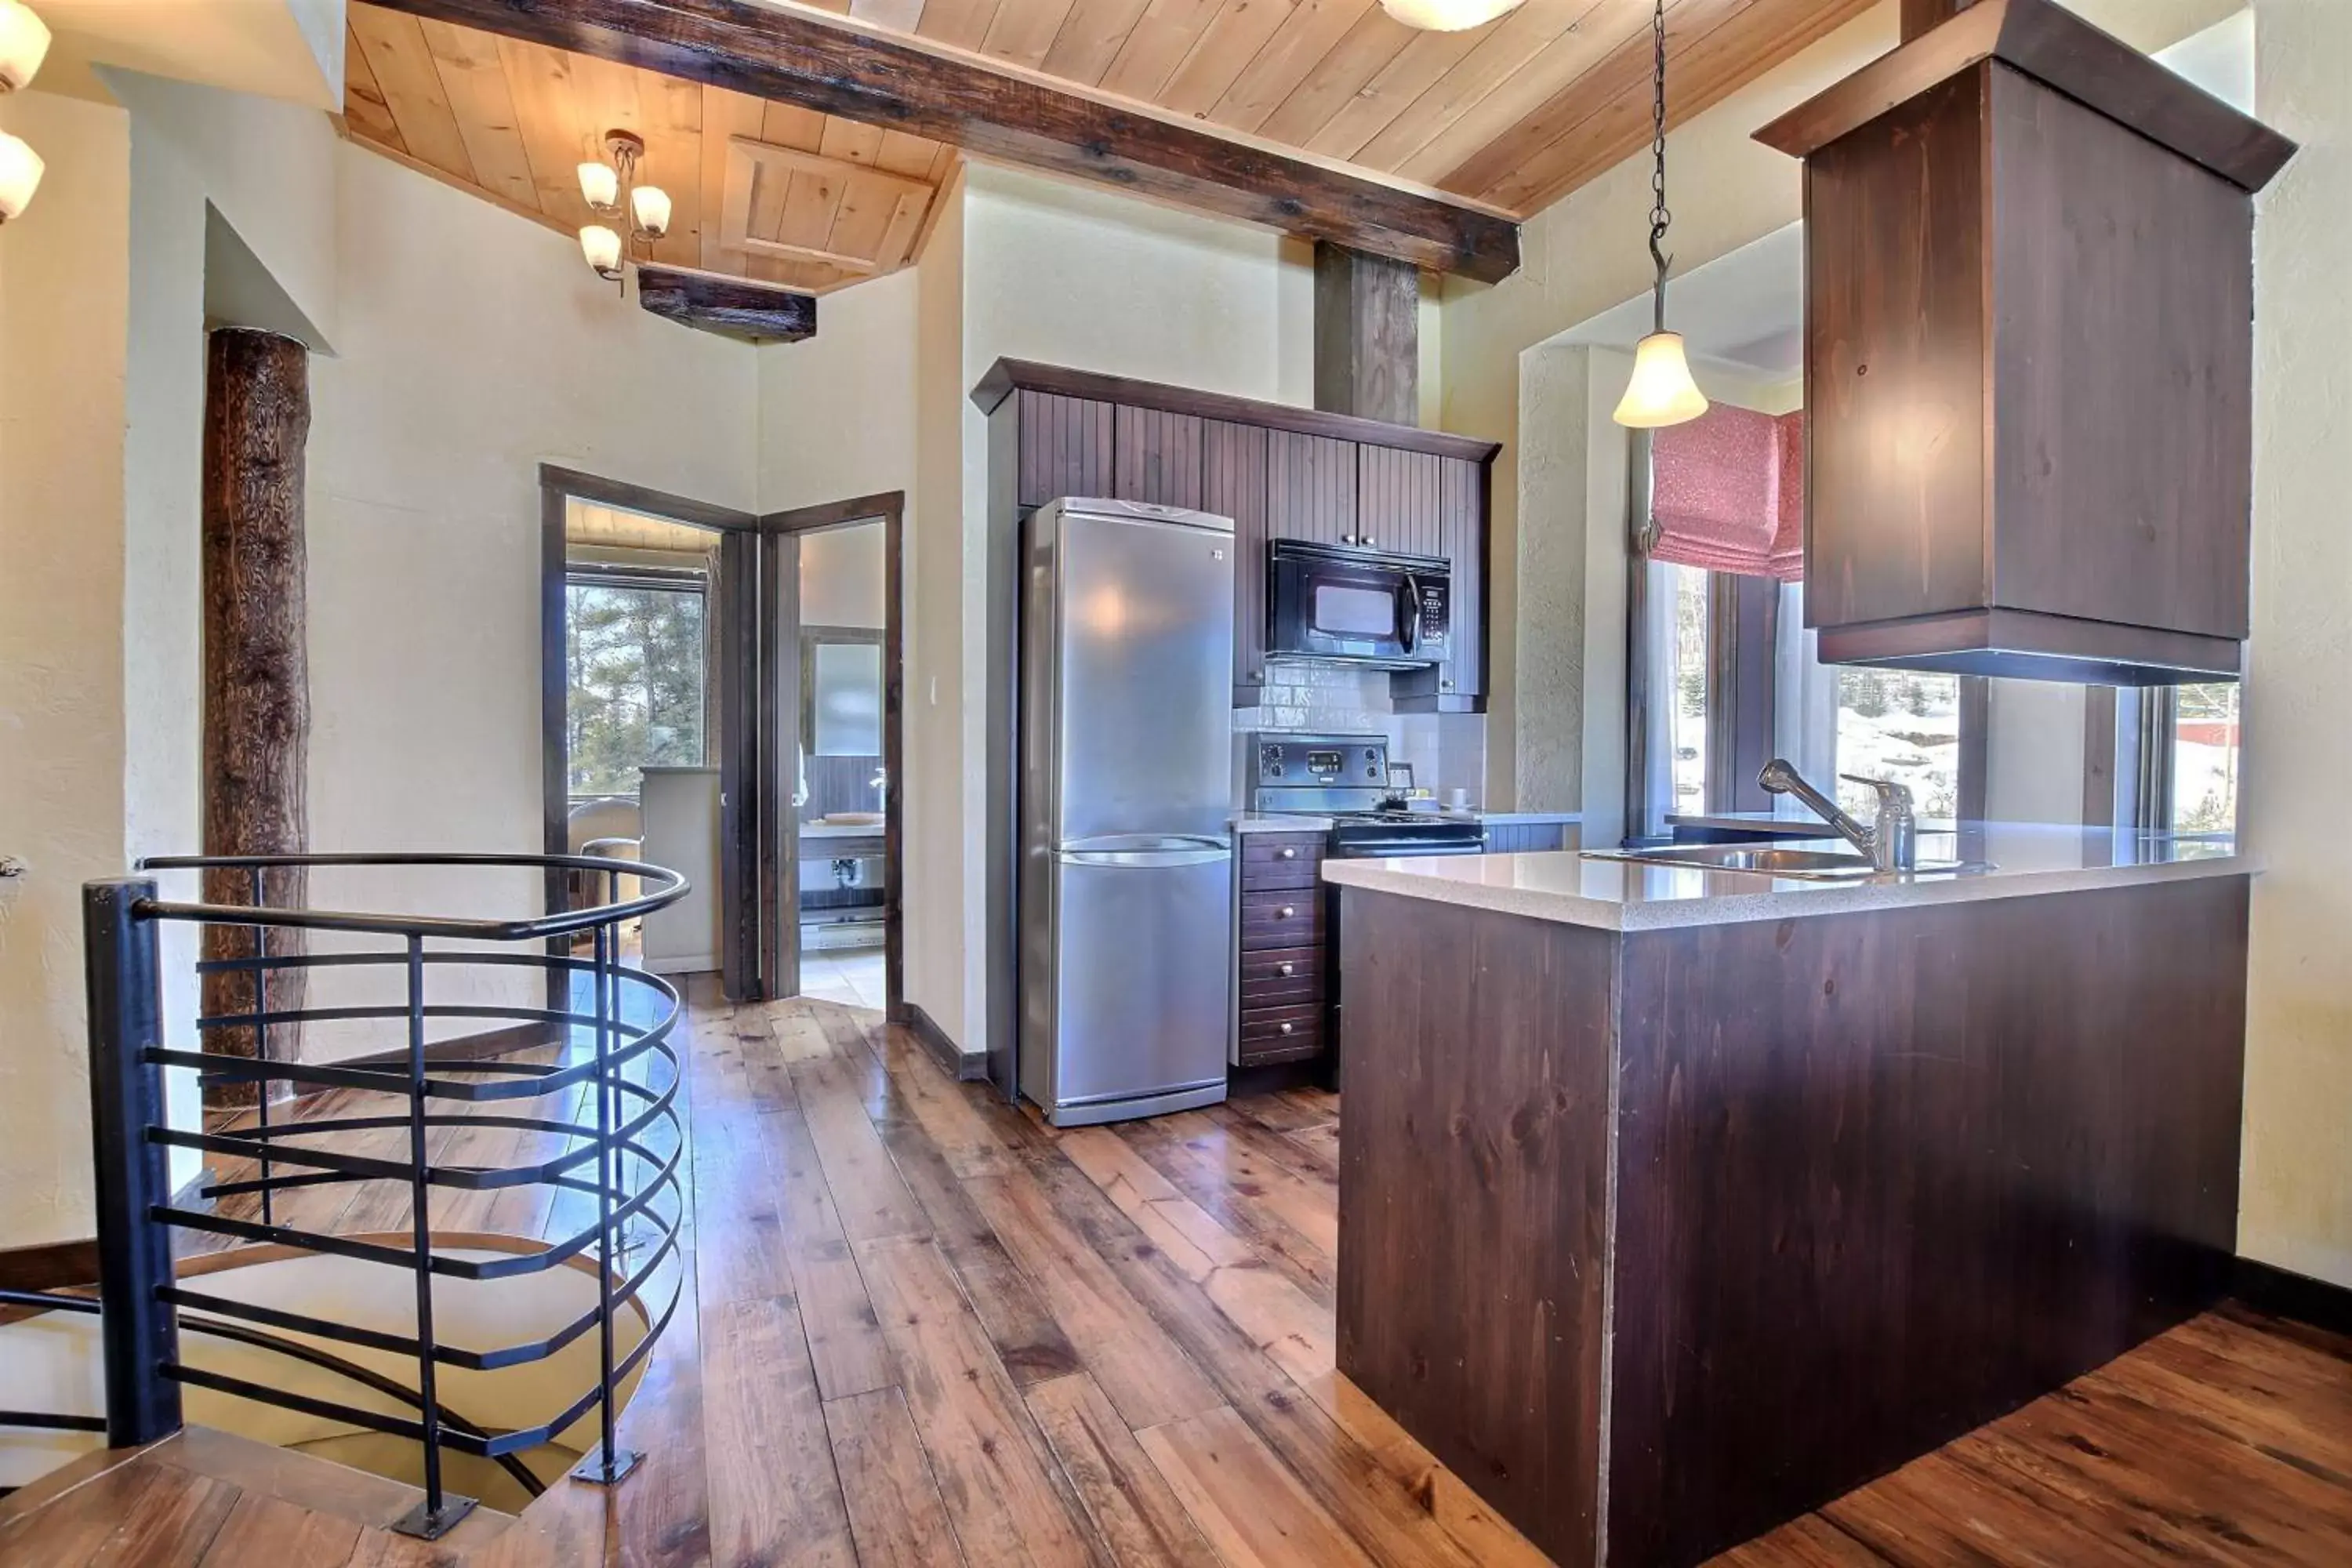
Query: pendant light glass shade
(600, 185)
(602, 247)
(20, 176)
(1447, 16)
(1661, 392)
(24, 44)
(649, 208)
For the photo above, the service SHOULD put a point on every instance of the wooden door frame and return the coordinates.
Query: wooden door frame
(889, 508)
(759, 847)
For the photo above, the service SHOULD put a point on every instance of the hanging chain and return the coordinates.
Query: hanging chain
(1659, 215)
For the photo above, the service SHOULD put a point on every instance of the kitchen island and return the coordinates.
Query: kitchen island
(1675, 1202)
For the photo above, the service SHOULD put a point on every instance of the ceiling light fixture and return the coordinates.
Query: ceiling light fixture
(20, 176)
(610, 187)
(1447, 16)
(1661, 392)
(23, 44)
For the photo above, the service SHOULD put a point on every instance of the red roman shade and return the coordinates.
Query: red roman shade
(1727, 490)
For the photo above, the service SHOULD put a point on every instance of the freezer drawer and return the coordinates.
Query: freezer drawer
(1141, 988)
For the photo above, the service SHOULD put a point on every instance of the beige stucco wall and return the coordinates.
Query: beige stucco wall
(2295, 1205)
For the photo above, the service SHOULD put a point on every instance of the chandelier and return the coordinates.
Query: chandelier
(610, 186)
(23, 44)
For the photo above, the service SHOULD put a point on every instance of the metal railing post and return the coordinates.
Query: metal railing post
(610, 1462)
(261, 1042)
(140, 1334)
(439, 1512)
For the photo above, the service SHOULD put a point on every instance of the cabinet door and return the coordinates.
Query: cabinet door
(1311, 488)
(1397, 505)
(1066, 448)
(1156, 456)
(1461, 525)
(1234, 484)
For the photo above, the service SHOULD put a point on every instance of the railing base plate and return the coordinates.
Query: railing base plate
(593, 1471)
(429, 1524)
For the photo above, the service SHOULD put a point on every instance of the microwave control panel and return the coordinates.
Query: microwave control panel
(1432, 606)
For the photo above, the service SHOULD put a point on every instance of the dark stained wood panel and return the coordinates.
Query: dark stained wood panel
(733, 308)
(1398, 501)
(1489, 1354)
(1311, 488)
(1066, 448)
(1233, 479)
(1463, 538)
(1156, 456)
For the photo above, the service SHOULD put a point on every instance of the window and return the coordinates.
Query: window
(636, 672)
(1901, 725)
(1688, 716)
(2205, 758)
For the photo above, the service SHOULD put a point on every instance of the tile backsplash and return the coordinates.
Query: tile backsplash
(1446, 751)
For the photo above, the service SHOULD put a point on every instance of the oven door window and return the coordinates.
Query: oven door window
(1346, 610)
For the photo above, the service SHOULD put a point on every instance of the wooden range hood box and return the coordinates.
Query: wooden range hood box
(2029, 356)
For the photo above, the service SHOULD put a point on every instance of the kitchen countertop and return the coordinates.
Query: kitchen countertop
(1564, 886)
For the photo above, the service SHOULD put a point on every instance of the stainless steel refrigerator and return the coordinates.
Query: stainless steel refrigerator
(1127, 859)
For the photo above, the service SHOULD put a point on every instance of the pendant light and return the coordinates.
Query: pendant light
(1447, 16)
(1661, 392)
(23, 44)
(626, 212)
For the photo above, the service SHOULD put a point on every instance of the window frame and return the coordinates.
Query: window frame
(661, 579)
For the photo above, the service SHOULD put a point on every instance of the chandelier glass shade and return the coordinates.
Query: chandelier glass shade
(1661, 392)
(628, 213)
(24, 44)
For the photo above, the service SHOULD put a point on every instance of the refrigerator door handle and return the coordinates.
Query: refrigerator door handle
(1143, 850)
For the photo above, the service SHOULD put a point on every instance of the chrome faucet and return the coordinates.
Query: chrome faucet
(1891, 843)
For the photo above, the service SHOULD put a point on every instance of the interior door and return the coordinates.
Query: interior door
(758, 670)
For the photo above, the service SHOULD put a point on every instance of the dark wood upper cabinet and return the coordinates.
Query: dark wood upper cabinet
(2029, 367)
(1156, 456)
(1311, 481)
(1278, 472)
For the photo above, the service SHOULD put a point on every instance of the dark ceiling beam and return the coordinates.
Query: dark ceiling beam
(794, 57)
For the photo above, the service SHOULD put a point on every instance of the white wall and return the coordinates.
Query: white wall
(2295, 1205)
(64, 324)
(837, 412)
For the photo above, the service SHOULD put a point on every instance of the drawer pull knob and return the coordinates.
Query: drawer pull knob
(1285, 854)
(1287, 912)
(1287, 1029)
(1286, 969)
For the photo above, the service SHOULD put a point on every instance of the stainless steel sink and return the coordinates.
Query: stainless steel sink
(1768, 860)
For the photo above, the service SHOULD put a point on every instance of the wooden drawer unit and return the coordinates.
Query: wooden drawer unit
(1281, 1034)
(1284, 917)
(1282, 977)
(1286, 860)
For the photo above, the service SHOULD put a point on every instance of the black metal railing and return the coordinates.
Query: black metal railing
(611, 1025)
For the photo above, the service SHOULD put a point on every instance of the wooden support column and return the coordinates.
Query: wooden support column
(256, 716)
(1924, 15)
(1367, 335)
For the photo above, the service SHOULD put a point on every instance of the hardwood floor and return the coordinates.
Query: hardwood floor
(929, 1330)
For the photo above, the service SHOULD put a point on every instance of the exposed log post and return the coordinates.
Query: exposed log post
(1924, 15)
(256, 718)
(1367, 335)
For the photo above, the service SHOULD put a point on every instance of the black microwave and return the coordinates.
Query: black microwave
(1362, 606)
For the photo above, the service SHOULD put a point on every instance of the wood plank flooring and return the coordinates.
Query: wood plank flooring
(926, 1328)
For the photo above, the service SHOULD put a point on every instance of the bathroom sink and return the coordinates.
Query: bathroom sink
(1769, 860)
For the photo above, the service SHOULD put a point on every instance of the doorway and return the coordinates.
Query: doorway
(722, 693)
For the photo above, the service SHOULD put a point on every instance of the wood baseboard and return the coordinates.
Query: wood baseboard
(969, 1066)
(2285, 1294)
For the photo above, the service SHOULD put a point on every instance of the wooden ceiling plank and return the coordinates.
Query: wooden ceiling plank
(812, 200)
(1156, 46)
(959, 24)
(1297, 46)
(997, 112)
(850, 141)
(1471, 108)
(899, 16)
(1226, 47)
(539, 79)
(364, 108)
(1024, 31)
(1392, 90)
(1368, 49)
(726, 115)
(790, 125)
(1756, 37)
(673, 133)
(1091, 39)
(910, 156)
(394, 46)
(474, 81)
(868, 201)
(907, 227)
(762, 188)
